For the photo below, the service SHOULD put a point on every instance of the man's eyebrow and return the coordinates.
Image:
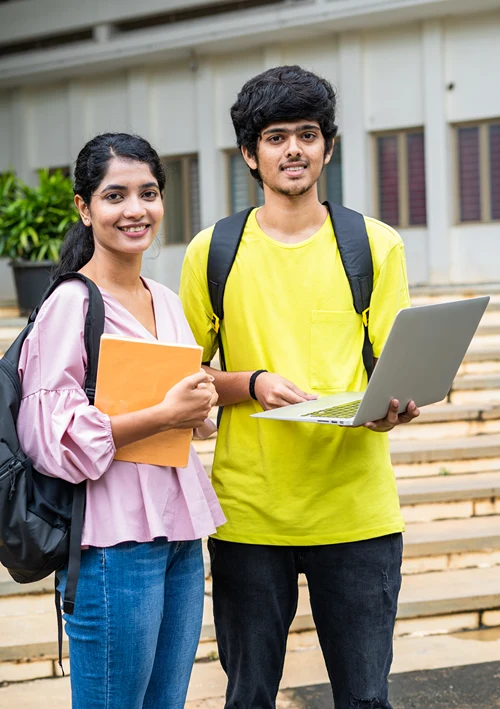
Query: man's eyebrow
(305, 126)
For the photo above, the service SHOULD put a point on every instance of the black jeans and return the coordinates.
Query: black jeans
(353, 589)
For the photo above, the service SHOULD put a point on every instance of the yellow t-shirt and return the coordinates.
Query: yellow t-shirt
(288, 308)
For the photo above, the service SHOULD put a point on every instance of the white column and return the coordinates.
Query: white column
(138, 102)
(437, 176)
(352, 129)
(272, 57)
(22, 138)
(78, 133)
(211, 160)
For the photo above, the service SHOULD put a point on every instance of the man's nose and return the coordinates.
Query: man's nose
(293, 148)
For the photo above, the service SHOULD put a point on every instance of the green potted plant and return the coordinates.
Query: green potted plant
(33, 222)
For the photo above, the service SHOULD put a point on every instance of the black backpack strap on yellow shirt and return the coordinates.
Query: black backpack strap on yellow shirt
(224, 245)
(354, 249)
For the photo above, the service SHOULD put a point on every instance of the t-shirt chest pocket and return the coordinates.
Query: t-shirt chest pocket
(336, 344)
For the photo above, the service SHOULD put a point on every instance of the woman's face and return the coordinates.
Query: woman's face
(126, 209)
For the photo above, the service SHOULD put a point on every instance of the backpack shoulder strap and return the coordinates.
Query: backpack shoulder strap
(354, 248)
(94, 325)
(224, 245)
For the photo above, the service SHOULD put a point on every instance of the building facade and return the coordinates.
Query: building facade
(419, 109)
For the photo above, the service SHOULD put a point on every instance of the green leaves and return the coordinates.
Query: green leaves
(34, 220)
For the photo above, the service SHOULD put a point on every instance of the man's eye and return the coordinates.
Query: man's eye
(309, 136)
(275, 138)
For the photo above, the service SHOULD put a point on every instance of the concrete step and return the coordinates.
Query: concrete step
(426, 601)
(448, 292)
(414, 452)
(304, 667)
(445, 488)
(483, 349)
(451, 545)
(445, 468)
(462, 448)
(450, 497)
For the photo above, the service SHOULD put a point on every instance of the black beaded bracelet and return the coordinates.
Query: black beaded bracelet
(251, 386)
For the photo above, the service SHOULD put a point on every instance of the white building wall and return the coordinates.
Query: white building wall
(393, 81)
(172, 109)
(229, 74)
(472, 61)
(49, 126)
(430, 74)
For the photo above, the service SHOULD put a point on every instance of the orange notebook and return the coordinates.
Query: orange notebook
(134, 374)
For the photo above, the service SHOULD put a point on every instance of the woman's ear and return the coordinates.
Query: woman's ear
(83, 210)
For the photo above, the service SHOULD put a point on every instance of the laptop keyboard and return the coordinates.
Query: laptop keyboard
(342, 411)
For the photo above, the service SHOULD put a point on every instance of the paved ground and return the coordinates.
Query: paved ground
(468, 687)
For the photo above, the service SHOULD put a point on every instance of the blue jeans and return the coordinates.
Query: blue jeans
(353, 588)
(136, 626)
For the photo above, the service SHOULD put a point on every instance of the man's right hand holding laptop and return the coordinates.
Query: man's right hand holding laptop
(273, 391)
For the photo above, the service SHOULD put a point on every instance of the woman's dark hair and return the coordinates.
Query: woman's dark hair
(90, 169)
(285, 93)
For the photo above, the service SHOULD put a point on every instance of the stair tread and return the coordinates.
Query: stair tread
(29, 630)
(452, 530)
(449, 487)
(458, 412)
(487, 440)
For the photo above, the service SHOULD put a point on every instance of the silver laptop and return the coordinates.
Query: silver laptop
(419, 361)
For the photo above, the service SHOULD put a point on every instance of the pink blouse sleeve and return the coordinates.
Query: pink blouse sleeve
(63, 435)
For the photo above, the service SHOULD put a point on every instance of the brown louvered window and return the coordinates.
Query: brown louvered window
(494, 150)
(388, 175)
(417, 206)
(469, 174)
(400, 178)
(181, 200)
(478, 171)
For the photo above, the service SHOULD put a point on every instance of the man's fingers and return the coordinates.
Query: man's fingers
(305, 396)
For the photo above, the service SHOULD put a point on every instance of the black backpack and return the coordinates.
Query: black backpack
(354, 249)
(41, 518)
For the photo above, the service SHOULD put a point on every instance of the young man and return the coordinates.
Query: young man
(299, 498)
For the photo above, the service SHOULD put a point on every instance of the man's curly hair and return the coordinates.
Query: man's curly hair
(284, 93)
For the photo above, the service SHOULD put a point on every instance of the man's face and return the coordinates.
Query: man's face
(290, 156)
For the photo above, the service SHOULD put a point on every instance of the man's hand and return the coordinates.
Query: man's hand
(393, 419)
(273, 391)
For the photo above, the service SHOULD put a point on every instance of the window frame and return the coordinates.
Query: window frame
(484, 171)
(184, 159)
(251, 181)
(403, 185)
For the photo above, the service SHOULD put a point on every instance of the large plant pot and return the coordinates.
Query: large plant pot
(31, 279)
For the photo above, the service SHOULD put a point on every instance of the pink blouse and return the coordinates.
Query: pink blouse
(65, 437)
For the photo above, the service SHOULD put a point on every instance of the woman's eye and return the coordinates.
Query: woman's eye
(113, 197)
(150, 194)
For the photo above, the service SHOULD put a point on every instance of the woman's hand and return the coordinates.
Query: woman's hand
(188, 403)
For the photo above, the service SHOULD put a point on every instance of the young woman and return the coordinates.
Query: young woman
(137, 619)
